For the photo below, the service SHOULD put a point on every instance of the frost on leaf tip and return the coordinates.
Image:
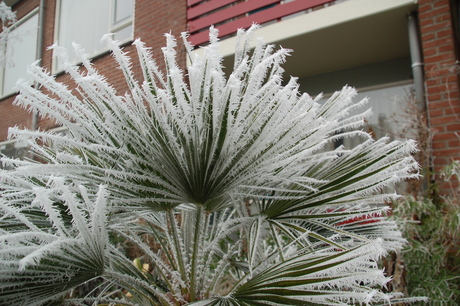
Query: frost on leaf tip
(227, 175)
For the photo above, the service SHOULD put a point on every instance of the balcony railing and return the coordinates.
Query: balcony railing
(230, 15)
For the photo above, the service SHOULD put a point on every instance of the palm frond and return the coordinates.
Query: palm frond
(41, 263)
(323, 277)
(221, 186)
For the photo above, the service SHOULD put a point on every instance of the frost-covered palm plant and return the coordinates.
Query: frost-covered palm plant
(221, 183)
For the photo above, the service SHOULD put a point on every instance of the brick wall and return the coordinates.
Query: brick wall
(441, 80)
(151, 20)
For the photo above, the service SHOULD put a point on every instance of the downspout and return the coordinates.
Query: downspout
(41, 32)
(419, 86)
(417, 61)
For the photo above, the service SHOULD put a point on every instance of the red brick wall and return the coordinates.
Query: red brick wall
(154, 18)
(11, 115)
(151, 20)
(441, 80)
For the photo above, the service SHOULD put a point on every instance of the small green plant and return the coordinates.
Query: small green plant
(429, 264)
(430, 258)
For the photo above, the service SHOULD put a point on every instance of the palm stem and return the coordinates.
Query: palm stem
(177, 244)
(277, 241)
(196, 244)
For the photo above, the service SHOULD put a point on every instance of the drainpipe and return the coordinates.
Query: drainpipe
(417, 71)
(41, 31)
(417, 62)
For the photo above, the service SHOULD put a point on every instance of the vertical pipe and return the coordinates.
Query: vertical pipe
(419, 84)
(41, 31)
(417, 62)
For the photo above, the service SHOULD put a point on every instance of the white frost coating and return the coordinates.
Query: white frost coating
(221, 184)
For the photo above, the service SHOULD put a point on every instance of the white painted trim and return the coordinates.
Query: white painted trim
(375, 87)
(58, 129)
(115, 26)
(385, 85)
(4, 143)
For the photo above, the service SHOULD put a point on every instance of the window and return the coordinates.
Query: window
(389, 104)
(86, 21)
(16, 149)
(387, 85)
(20, 51)
(12, 149)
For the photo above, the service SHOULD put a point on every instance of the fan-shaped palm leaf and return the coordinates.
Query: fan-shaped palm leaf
(222, 185)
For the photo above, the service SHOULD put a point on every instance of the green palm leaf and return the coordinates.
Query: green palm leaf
(47, 261)
(195, 187)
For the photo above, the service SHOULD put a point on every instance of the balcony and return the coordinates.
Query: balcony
(230, 15)
(329, 36)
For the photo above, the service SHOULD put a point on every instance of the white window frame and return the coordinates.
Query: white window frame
(14, 142)
(115, 26)
(23, 145)
(17, 146)
(20, 22)
(111, 28)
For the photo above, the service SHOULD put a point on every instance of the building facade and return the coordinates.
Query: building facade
(395, 52)
(61, 22)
